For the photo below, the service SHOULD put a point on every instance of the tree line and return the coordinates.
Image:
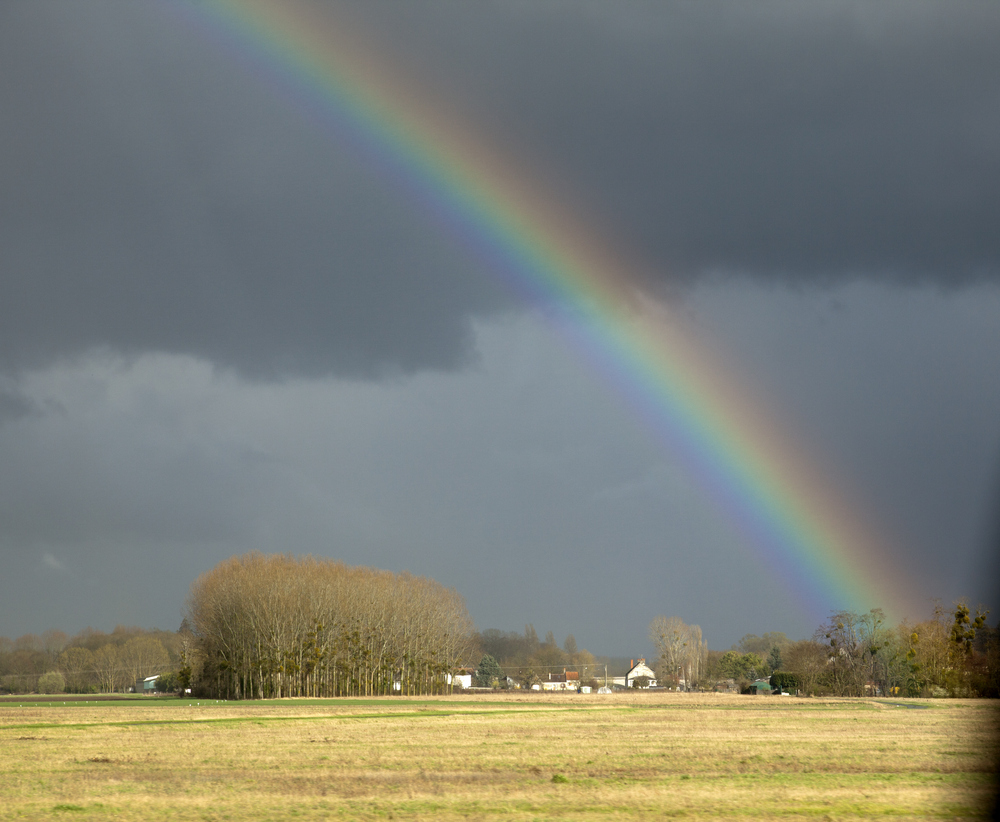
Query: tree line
(90, 662)
(953, 653)
(267, 626)
(281, 626)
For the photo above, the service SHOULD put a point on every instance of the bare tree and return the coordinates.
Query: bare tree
(107, 666)
(140, 657)
(682, 650)
(78, 667)
(854, 643)
(277, 625)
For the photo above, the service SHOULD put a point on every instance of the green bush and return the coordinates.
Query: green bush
(784, 681)
(167, 683)
(489, 674)
(51, 683)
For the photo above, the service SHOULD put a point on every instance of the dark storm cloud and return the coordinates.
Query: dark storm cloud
(156, 196)
(814, 140)
(14, 405)
(159, 193)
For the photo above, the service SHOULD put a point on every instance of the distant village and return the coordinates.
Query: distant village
(372, 633)
(639, 675)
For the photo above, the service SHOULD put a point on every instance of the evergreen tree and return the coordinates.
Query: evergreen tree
(489, 674)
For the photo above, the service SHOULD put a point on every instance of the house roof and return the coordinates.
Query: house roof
(641, 669)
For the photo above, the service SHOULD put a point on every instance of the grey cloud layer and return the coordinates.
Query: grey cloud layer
(158, 198)
(159, 194)
(807, 139)
(523, 482)
(819, 180)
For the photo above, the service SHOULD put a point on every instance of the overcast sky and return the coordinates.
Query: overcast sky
(223, 329)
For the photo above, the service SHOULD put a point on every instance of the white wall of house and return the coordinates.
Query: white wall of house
(640, 670)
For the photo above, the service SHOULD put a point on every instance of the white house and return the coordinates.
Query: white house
(463, 679)
(640, 670)
(566, 681)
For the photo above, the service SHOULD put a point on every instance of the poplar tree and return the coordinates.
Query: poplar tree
(274, 626)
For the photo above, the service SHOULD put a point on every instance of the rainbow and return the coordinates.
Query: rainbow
(775, 499)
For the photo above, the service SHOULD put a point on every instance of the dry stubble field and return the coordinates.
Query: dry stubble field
(540, 756)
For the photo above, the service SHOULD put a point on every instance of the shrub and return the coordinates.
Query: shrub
(784, 681)
(167, 683)
(51, 683)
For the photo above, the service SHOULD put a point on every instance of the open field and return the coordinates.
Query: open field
(521, 757)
